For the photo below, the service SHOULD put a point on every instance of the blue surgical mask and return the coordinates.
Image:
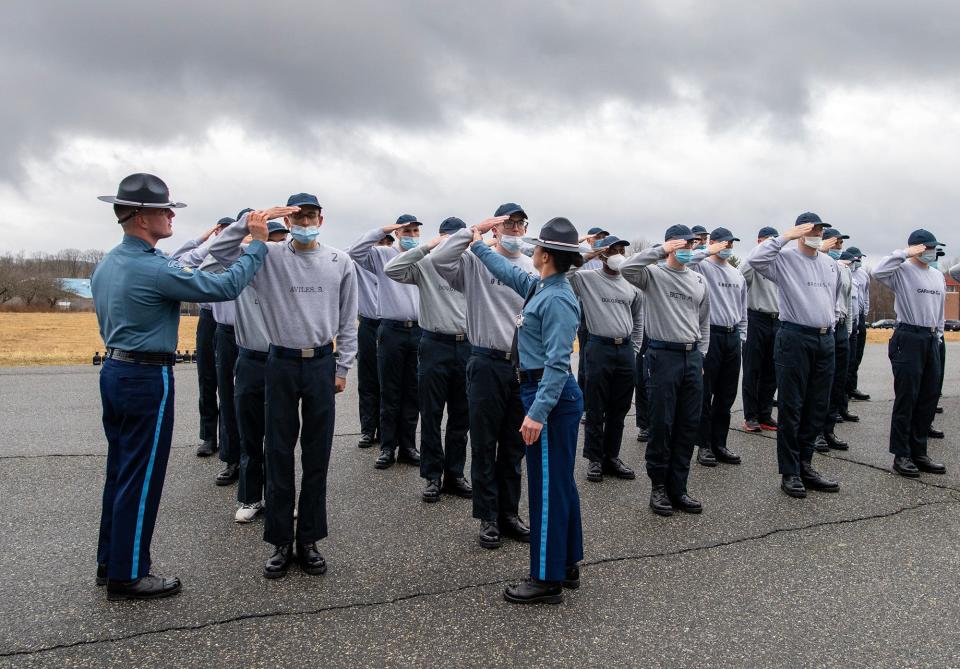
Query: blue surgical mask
(855, 265)
(935, 264)
(929, 257)
(684, 256)
(511, 244)
(304, 235)
(834, 253)
(407, 243)
(702, 247)
(725, 253)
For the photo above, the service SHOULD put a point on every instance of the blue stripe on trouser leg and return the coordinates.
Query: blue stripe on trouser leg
(555, 526)
(146, 479)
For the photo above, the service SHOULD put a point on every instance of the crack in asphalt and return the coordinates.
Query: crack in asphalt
(467, 586)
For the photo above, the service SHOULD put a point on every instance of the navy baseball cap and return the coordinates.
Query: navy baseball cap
(408, 219)
(722, 235)
(846, 255)
(276, 226)
(810, 217)
(855, 252)
(698, 230)
(302, 200)
(508, 209)
(833, 232)
(679, 232)
(611, 241)
(597, 231)
(225, 221)
(924, 237)
(451, 224)
(243, 211)
(767, 232)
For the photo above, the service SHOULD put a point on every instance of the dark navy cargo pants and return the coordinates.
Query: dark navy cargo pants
(721, 372)
(759, 371)
(207, 374)
(915, 357)
(607, 396)
(442, 380)
(838, 389)
(368, 378)
(397, 351)
(250, 398)
(226, 356)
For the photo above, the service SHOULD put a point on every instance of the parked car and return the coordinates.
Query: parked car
(884, 323)
(951, 326)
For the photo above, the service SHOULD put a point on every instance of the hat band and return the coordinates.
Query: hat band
(575, 247)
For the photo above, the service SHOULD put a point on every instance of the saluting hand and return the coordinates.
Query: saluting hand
(716, 247)
(486, 226)
(339, 385)
(435, 242)
(673, 245)
(530, 430)
(257, 225)
(279, 212)
(915, 250)
(393, 227)
(798, 231)
(828, 244)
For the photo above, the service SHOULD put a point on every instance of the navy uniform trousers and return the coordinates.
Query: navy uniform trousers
(675, 394)
(207, 374)
(249, 398)
(368, 378)
(138, 422)
(397, 350)
(296, 386)
(721, 373)
(226, 356)
(640, 397)
(496, 448)
(607, 397)
(556, 536)
(858, 341)
(915, 356)
(759, 372)
(841, 362)
(442, 380)
(804, 359)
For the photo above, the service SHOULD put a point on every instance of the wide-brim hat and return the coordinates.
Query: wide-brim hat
(142, 190)
(558, 234)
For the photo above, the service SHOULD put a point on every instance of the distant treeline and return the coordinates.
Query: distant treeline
(31, 281)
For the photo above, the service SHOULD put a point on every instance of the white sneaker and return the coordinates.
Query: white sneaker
(247, 512)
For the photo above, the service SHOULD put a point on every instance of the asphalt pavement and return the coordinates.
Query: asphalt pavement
(866, 577)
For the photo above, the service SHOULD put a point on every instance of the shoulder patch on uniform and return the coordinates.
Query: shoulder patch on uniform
(176, 264)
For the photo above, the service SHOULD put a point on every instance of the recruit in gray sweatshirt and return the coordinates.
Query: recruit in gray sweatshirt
(395, 301)
(442, 309)
(224, 313)
(918, 291)
(611, 306)
(861, 279)
(728, 292)
(846, 299)
(676, 302)
(492, 307)
(308, 298)
(250, 330)
(808, 287)
(367, 291)
(761, 292)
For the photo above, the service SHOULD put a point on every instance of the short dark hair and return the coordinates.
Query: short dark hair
(564, 260)
(123, 212)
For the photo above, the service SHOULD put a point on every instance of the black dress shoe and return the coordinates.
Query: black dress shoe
(813, 479)
(849, 417)
(229, 474)
(532, 591)
(837, 418)
(571, 579)
(145, 587)
(458, 486)
(386, 459)
(277, 564)
(310, 560)
(594, 471)
(409, 456)
(366, 440)
(615, 467)
(686, 503)
(513, 527)
(820, 444)
(793, 486)
(939, 410)
(431, 491)
(925, 464)
(835, 443)
(489, 536)
(725, 455)
(643, 434)
(705, 457)
(660, 502)
(101, 574)
(905, 467)
(857, 395)
(207, 448)
(934, 433)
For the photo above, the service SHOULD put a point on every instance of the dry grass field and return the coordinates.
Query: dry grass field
(71, 338)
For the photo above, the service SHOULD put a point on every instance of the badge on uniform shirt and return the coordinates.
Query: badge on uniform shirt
(520, 320)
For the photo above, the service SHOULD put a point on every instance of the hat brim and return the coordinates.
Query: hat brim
(726, 239)
(554, 246)
(686, 238)
(110, 199)
(821, 224)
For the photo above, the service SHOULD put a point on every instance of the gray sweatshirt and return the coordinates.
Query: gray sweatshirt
(251, 331)
(728, 292)
(225, 313)
(442, 309)
(676, 302)
(919, 291)
(808, 287)
(861, 278)
(395, 301)
(492, 307)
(367, 290)
(612, 307)
(761, 292)
(846, 298)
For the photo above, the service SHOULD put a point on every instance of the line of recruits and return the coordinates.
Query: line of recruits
(485, 327)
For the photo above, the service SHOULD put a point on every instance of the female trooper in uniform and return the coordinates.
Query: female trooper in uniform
(553, 403)
(137, 293)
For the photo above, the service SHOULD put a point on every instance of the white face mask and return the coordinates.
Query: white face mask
(813, 242)
(616, 262)
(511, 244)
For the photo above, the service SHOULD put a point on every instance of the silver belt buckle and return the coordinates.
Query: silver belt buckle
(823, 330)
(460, 337)
(307, 352)
(618, 340)
(688, 347)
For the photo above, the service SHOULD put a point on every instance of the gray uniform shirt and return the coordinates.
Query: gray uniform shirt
(492, 307)
(846, 296)
(808, 287)
(442, 309)
(611, 306)
(367, 293)
(395, 301)
(224, 313)
(761, 292)
(861, 279)
(676, 302)
(919, 292)
(728, 292)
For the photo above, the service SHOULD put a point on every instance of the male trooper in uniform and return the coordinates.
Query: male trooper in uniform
(442, 372)
(613, 310)
(368, 378)
(808, 284)
(763, 321)
(678, 339)
(728, 328)
(858, 340)
(398, 341)
(914, 350)
(137, 293)
(493, 389)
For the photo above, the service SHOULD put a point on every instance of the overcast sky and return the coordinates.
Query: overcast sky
(629, 115)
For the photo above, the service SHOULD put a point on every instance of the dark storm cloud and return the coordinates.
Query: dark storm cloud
(165, 71)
